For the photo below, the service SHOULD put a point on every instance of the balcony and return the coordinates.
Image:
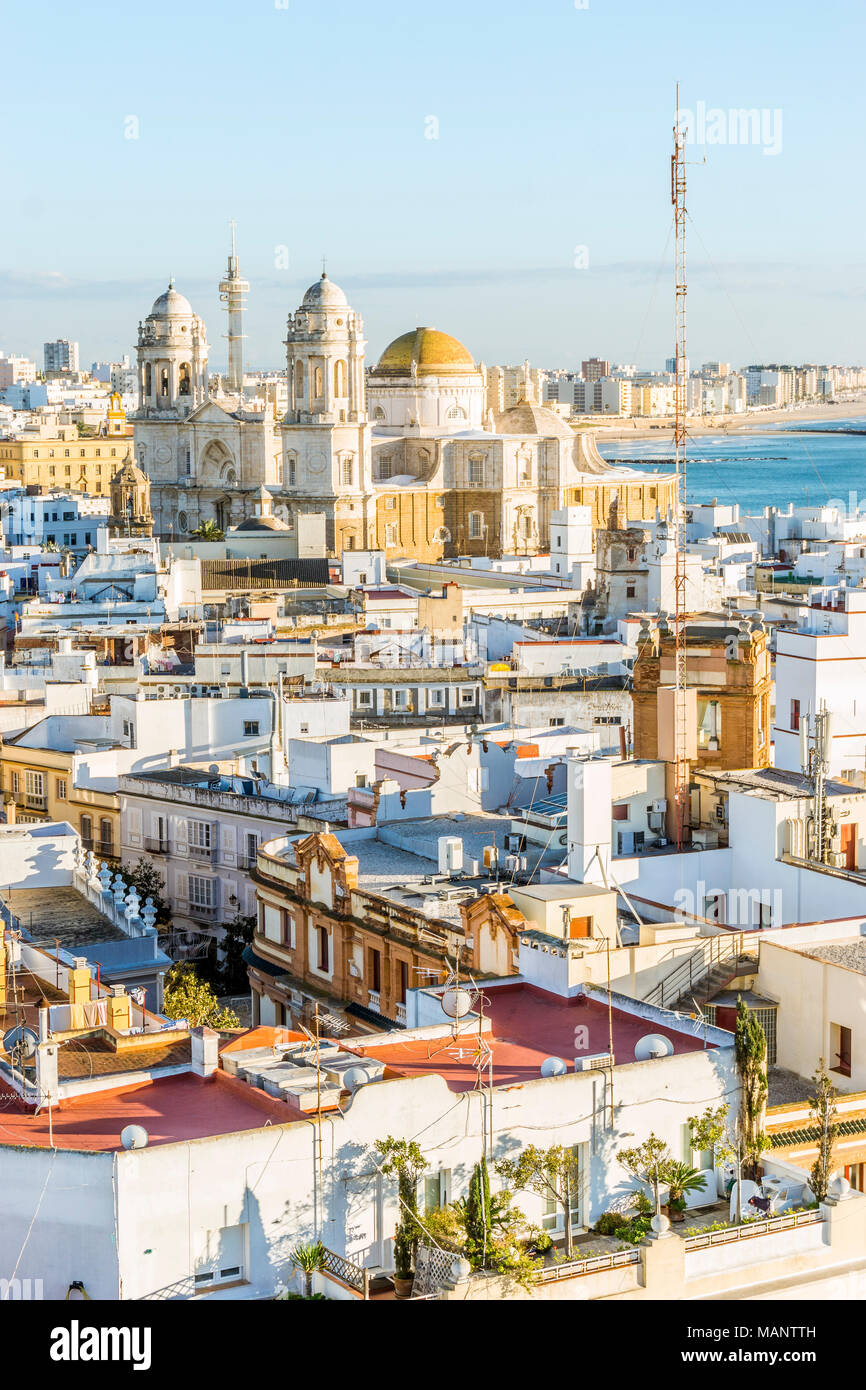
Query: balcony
(206, 912)
(156, 846)
(203, 853)
(374, 1000)
(36, 801)
(105, 849)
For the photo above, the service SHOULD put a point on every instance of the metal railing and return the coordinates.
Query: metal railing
(750, 1229)
(156, 846)
(573, 1269)
(696, 968)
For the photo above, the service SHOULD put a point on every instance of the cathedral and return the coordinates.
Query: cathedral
(405, 457)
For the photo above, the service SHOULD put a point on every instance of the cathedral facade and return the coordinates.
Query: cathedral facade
(403, 458)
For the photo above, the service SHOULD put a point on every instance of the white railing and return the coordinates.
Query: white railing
(591, 1264)
(750, 1229)
(373, 999)
(400, 1013)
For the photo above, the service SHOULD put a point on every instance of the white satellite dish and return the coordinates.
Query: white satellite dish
(456, 1003)
(553, 1066)
(134, 1137)
(355, 1077)
(20, 1043)
(652, 1045)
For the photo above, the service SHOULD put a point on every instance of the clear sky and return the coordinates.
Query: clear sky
(536, 224)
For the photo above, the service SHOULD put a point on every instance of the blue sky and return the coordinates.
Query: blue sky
(308, 125)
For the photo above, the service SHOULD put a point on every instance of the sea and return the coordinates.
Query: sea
(770, 465)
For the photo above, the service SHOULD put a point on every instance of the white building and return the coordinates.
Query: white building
(65, 520)
(821, 663)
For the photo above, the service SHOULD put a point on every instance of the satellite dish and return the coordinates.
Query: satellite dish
(134, 1137)
(652, 1045)
(355, 1077)
(553, 1066)
(214, 768)
(456, 1003)
(20, 1042)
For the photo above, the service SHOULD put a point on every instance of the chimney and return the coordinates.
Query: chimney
(79, 981)
(119, 1009)
(47, 1082)
(205, 1051)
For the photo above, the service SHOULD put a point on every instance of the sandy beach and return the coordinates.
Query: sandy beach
(728, 424)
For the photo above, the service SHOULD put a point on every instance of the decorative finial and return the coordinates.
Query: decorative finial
(324, 268)
(171, 282)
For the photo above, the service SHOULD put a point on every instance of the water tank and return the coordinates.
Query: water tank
(450, 854)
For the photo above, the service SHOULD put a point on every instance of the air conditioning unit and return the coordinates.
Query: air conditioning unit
(659, 807)
(597, 1061)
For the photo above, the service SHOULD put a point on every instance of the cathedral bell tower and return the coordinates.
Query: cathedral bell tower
(172, 359)
(326, 433)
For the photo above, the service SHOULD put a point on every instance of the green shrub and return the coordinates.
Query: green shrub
(610, 1223)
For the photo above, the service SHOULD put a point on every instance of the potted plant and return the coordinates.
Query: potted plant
(310, 1259)
(404, 1256)
(681, 1179)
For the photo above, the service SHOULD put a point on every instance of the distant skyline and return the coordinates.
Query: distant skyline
(536, 225)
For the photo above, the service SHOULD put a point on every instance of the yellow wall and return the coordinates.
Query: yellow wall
(77, 802)
(79, 465)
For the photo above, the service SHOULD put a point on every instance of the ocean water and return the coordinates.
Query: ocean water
(764, 466)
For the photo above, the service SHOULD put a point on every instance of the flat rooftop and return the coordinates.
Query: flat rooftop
(172, 1109)
(528, 1025)
(849, 954)
(61, 914)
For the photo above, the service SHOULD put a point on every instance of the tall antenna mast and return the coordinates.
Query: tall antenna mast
(233, 291)
(678, 198)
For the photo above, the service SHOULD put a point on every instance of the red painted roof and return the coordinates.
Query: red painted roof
(172, 1109)
(528, 1025)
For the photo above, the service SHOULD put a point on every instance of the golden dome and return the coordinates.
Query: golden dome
(433, 353)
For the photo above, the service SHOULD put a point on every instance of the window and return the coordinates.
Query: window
(437, 1190)
(323, 958)
(401, 699)
(87, 832)
(318, 383)
(556, 723)
(553, 1218)
(374, 969)
(709, 724)
(476, 472)
(476, 525)
(16, 783)
(299, 379)
(60, 788)
(251, 728)
(223, 1259)
(34, 788)
(437, 697)
(291, 473)
(629, 591)
(402, 980)
(106, 836)
(347, 472)
(795, 716)
(385, 465)
(391, 535)
(390, 504)
(201, 891)
(365, 697)
(840, 1049)
(360, 779)
(467, 697)
(288, 925)
(621, 812)
(199, 835)
(339, 378)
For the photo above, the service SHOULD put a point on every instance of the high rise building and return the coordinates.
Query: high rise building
(594, 369)
(61, 356)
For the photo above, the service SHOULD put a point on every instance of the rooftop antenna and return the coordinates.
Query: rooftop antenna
(678, 198)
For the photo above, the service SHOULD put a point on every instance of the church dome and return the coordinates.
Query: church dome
(527, 418)
(264, 519)
(434, 354)
(325, 295)
(170, 304)
(129, 472)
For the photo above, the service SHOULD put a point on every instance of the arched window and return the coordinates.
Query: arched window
(319, 380)
(476, 526)
(339, 378)
(183, 388)
(456, 413)
(163, 382)
(379, 413)
(148, 380)
(291, 471)
(299, 380)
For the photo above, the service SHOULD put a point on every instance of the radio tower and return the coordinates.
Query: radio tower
(678, 198)
(232, 293)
